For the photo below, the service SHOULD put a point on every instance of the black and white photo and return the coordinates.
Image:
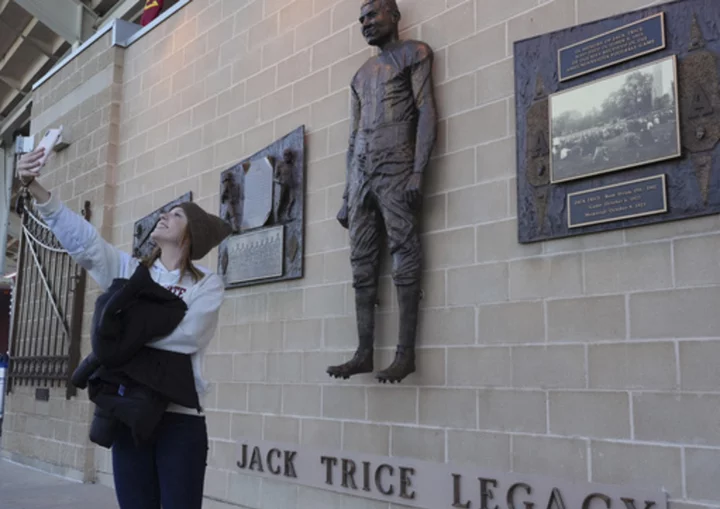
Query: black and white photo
(625, 120)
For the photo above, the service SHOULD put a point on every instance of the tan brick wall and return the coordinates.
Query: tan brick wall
(560, 358)
(589, 358)
(84, 98)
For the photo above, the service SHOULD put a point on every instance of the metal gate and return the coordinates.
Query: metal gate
(47, 308)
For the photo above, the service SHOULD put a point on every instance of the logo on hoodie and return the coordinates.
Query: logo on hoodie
(178, 291)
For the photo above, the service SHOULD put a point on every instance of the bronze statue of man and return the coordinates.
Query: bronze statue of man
(393, 131)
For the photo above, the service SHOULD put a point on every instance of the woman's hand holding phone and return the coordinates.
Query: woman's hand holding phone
(29, 166)
(48, 142)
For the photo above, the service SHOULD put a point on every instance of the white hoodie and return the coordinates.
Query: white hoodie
(104, 263)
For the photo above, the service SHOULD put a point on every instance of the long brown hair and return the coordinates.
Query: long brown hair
(186, 264)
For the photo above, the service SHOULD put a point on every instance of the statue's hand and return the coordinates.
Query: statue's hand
(413, 190)
(342, 216)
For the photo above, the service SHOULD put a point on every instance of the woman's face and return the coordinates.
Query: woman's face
(171, 227)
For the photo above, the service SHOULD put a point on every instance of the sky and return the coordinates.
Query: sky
(584, 99)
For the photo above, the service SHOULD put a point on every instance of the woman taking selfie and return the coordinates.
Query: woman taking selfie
(170, 470)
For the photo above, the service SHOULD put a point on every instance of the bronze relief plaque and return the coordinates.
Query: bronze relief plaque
(262, 197)
(651, 116)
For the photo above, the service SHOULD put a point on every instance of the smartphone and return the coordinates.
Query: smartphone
(48, 142)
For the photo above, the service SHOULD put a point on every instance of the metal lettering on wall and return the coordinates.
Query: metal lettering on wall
(426, 485)
(644, 100)
(262, 198)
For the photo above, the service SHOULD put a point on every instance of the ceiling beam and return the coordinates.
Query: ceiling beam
(12, 83)
(3, 4)
(64, 17)
(90, 9)
(15, 113)
(42, 46)
(22, 36)
(48, 53)
(35, 67)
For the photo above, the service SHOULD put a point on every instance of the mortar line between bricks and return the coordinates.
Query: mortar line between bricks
(591, 342)
(391, 434)
(547, 412)
(673, 278)
(587, 366)
(546, 393)
(701, 504)
(683, 470)
(506, 36)
(588, 459)
(366, 402)
(223, 501)
(509, 108)
(546, 322)
(631, 413)
(413, 424)
(605, 440)
(511, 355)
(534, 258)
(417, 405)
(628, 318)
(342, 435)
(446, 440)
(577, 13)
(476, 106)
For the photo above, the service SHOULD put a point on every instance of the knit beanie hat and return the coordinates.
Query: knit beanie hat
(206, 230)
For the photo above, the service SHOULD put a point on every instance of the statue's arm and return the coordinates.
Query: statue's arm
(354, 126)
(423, 90)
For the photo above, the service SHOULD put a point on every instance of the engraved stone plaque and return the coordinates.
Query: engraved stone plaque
(409, 482)
(255, 255)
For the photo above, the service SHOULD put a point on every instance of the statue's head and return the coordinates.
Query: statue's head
(379, 20)
(288, 156)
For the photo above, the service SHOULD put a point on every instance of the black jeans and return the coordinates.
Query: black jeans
(170, 471)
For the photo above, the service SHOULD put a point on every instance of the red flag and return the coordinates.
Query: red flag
(151, 11)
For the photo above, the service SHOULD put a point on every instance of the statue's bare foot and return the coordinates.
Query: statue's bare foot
(362, 362)
(402, 366)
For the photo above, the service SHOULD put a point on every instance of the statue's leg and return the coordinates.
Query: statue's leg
(365, 260)
(278, 205)
(289, 202)
(404, 363)
(402, 229)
